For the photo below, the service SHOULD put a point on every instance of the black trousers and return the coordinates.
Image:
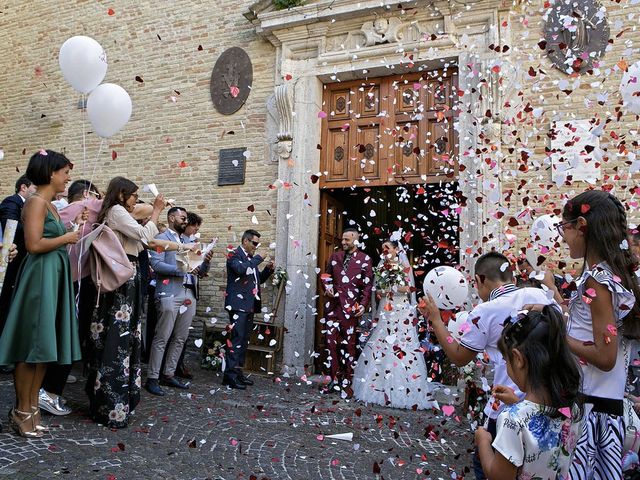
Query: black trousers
(55, 379)
(242, 326)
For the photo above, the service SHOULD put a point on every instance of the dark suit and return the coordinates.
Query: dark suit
(11, 209)
(242, 300)
(350, 287)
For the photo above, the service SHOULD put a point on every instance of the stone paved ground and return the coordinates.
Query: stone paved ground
(273, 430)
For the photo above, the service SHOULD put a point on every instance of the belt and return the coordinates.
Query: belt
(605, 405)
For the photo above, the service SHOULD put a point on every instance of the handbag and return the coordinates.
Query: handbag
(110, 266)
(631, 427)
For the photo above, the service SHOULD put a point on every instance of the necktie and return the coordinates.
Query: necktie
(347, 259)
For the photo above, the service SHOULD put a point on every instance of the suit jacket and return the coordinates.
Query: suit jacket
(242, 292)
(351, 286)
(169, 279)
(11, 209)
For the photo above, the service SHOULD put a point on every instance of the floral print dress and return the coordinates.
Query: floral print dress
(537, 439)
(115, 342)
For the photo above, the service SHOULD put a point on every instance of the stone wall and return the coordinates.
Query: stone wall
(172, 47)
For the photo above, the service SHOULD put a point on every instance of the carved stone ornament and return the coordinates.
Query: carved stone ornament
(382, 30)
(285, 112)
(231, 80)
(577, 34)
(283, 149)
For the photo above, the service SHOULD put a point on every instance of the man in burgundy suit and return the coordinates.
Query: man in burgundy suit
(347, 285)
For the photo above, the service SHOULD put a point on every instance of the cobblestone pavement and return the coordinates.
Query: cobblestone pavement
(273, 430)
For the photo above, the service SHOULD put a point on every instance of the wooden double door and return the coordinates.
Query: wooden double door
(390, 130)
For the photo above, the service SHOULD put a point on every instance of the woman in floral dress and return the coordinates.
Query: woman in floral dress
(114, 381)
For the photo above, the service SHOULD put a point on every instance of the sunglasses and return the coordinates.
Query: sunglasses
(255, 244)
(560, 226)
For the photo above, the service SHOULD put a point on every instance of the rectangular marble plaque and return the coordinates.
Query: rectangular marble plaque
(575, 149)
(231, 166)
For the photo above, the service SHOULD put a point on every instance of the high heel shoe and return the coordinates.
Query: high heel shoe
(23, 426)
(38, 427)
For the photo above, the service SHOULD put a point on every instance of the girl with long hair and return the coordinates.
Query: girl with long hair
(114, 339)
(603, 317)
(535, 437)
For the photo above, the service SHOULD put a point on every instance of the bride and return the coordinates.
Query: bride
(391, 370)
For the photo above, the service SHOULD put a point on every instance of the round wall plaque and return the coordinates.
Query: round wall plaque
(231, 80)
(576, 34)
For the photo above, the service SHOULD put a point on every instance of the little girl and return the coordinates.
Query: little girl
(535, 437)
(603, 316)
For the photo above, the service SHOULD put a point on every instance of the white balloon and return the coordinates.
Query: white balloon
(83, 62)
(544, 232)
(109, 109)
(458, 325)
(630, 88)
(447, 286)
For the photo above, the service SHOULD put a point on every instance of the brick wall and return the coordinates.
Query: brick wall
(589, 96)
(158, 41)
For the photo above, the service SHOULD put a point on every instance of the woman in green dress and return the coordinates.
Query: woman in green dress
(41, 325)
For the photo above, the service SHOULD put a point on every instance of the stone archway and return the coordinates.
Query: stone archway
(337, 40)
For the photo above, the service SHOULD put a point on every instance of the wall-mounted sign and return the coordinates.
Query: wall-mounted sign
(231, 80)
(231, 166)
(574, 152)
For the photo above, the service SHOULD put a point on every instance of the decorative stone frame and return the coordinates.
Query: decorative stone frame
(323, 42)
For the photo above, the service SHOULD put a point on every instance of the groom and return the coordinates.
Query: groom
(242, 300)
(347, 286)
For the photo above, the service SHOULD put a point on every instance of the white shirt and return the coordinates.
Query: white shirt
(595, 381)
(486, 322)
(255, 272)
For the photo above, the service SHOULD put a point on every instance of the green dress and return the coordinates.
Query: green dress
(42, 326)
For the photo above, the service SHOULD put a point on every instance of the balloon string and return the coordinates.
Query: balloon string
(95, 165)
(84, 139)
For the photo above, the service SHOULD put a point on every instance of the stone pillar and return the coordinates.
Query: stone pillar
(298, 226)
(478, 180)
(470, 181)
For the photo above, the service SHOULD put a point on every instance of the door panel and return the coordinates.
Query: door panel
(330, 237)
(338, 148)
(368, 153)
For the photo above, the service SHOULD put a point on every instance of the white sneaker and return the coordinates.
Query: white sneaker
(71, 379)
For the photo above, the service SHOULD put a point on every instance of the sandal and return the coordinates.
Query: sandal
(23, 426)
(36, 420)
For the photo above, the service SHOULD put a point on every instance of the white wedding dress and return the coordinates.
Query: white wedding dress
(391, 370)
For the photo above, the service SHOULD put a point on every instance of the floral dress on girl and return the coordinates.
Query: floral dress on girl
(537, 439)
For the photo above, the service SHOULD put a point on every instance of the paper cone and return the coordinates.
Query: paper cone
(341, 436)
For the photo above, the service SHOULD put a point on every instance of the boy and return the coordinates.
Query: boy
(501, 301)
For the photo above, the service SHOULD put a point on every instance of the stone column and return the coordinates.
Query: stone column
(470, 183)
(299, 226)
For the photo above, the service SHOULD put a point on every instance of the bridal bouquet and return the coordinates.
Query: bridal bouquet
(389, 275)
